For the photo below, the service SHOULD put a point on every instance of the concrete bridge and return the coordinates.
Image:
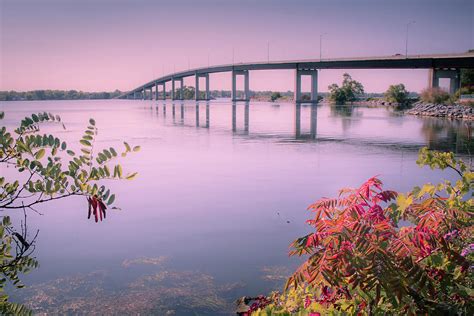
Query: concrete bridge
(440, 66)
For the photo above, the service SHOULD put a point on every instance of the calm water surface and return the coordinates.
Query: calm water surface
(222, 191)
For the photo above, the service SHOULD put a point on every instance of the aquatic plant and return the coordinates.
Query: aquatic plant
(42, 169)
(376, 251)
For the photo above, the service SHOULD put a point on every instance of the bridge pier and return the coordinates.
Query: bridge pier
(314, 85)
(173, 93)
(157, 93)
(151, 93)
(244, 73)
(454, 76)
(197, 94)
(143, 94)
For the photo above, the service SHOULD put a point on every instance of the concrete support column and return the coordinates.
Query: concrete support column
(454, 76)
(172, 89)
(134, 94)
(144, 94)
(196, 88)
(244, 73)
(156, 91)
(208, 93)
(151, 93)
(164, 90)
(314, 85)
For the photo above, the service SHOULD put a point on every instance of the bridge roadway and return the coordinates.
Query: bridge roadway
(440, 66)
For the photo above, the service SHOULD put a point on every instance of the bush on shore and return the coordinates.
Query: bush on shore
(434, 95)
(397, 93)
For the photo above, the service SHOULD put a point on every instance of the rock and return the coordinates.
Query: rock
(456, 111)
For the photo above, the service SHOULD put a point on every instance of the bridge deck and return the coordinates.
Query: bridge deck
(465, 60)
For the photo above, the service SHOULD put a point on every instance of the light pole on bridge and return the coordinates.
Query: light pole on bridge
(406, 38)
(268, 51)
(321, 45)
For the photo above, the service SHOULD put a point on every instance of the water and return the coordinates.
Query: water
(222, 191)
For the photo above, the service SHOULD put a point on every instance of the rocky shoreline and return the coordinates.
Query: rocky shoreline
(455, 111)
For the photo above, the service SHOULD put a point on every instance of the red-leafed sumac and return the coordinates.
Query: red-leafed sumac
(376, 251)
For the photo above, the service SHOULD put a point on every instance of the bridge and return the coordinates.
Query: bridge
(440, 66)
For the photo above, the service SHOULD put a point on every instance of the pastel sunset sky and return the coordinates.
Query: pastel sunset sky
(106, 45)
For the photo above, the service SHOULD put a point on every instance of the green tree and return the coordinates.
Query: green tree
(397, 93)
(467, 77)
(274, 96)
(348, 92)
(46, 169)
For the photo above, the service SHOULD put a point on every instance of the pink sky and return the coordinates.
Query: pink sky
(106, 45)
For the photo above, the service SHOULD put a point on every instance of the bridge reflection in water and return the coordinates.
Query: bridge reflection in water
(299, 122)
(299, 132)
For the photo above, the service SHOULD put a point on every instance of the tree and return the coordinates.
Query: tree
(397, 93)
(467, 77)
(347, 92)
(375, 251)
(43, 173)
(274, 96)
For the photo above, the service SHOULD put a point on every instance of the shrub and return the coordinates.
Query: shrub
(434, 95)
(274, 96)
(397, 93)
(375, 251)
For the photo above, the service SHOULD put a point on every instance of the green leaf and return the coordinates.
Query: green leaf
(127, 146)
(111, 199)
(70, 152)
(40, 153)
(136, 148)
(85, 142)
(92, 122)
(131, 176)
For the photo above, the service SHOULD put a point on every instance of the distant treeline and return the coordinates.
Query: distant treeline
(56, 95)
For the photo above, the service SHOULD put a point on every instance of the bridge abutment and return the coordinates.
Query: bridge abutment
(244, 73)
(454, 76)
(298, 96)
